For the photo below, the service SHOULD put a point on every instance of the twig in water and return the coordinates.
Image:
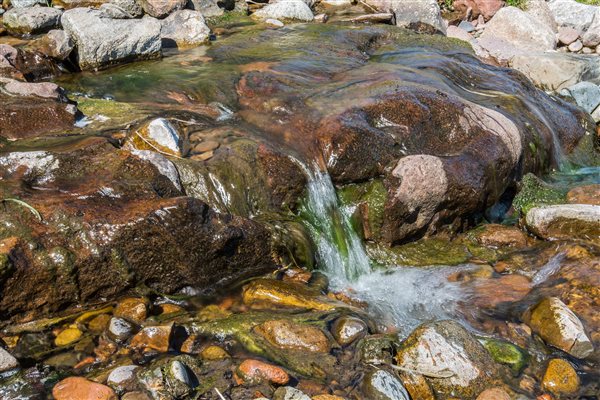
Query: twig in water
(22, 203)
(156, 148)
(220, 395)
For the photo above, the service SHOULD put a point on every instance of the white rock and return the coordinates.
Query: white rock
(161, 132)
(274, 22)
(539, 9)
(572, 13)
(7, 361)
(121, 374)
(184, 28)
(576, 46)
(413, 11)
(27, 3)
(564, 221)
(383, 385)
(289, 393)
(520, 29)
(286, 9)
(556, 71)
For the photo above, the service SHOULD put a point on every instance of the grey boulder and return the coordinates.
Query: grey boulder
(573, 14)
(184, 28)
(286, 10)
(520, 29)
(102, 41)
(408, 12)
(27, 3)
(31, 20)
(585, 94)
(556, 71)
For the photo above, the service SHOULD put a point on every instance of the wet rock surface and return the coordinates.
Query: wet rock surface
(190, 178)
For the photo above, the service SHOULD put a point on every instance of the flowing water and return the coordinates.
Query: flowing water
(401, 296)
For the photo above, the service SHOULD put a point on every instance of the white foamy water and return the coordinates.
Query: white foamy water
(340, 250)
(408, 296)
(549, 269)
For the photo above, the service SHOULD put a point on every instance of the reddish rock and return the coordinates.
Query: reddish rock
(500, 236)
(153, 338)
(486, 8)
(133, 226)
(589, 194)
(494, 394)
(134, 309)
(82, 389)
(255, 371)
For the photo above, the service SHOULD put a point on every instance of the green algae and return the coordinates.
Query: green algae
(535, 192)
(241, 327)
(374, 195)
(507, 353)
(423, 252)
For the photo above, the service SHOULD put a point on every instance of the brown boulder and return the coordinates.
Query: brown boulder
(110, 221)
(255, 371)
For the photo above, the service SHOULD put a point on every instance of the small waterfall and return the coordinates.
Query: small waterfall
(402, 296)
(340, 249)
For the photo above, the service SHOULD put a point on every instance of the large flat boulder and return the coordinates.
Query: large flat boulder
(102, 42)
(110, 220)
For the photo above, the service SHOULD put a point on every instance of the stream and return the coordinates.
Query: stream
(333, 209)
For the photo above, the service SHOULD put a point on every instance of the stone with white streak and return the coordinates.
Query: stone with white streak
(454, 362)
(558, 326)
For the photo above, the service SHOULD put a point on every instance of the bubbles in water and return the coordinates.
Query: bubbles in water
(407, 296)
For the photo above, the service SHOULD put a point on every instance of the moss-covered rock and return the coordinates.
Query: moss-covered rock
(507, 353)
(535, 192)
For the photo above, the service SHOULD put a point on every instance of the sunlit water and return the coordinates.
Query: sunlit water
(401, 296)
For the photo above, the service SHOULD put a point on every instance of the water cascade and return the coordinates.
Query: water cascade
(402, 296)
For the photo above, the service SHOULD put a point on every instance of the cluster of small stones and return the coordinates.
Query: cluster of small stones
(272, 340)
(573, 41)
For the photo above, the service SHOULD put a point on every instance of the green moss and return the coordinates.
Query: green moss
(424, 252)
(108, 112)
(507, 353)
(535, 192)
(374, 195)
